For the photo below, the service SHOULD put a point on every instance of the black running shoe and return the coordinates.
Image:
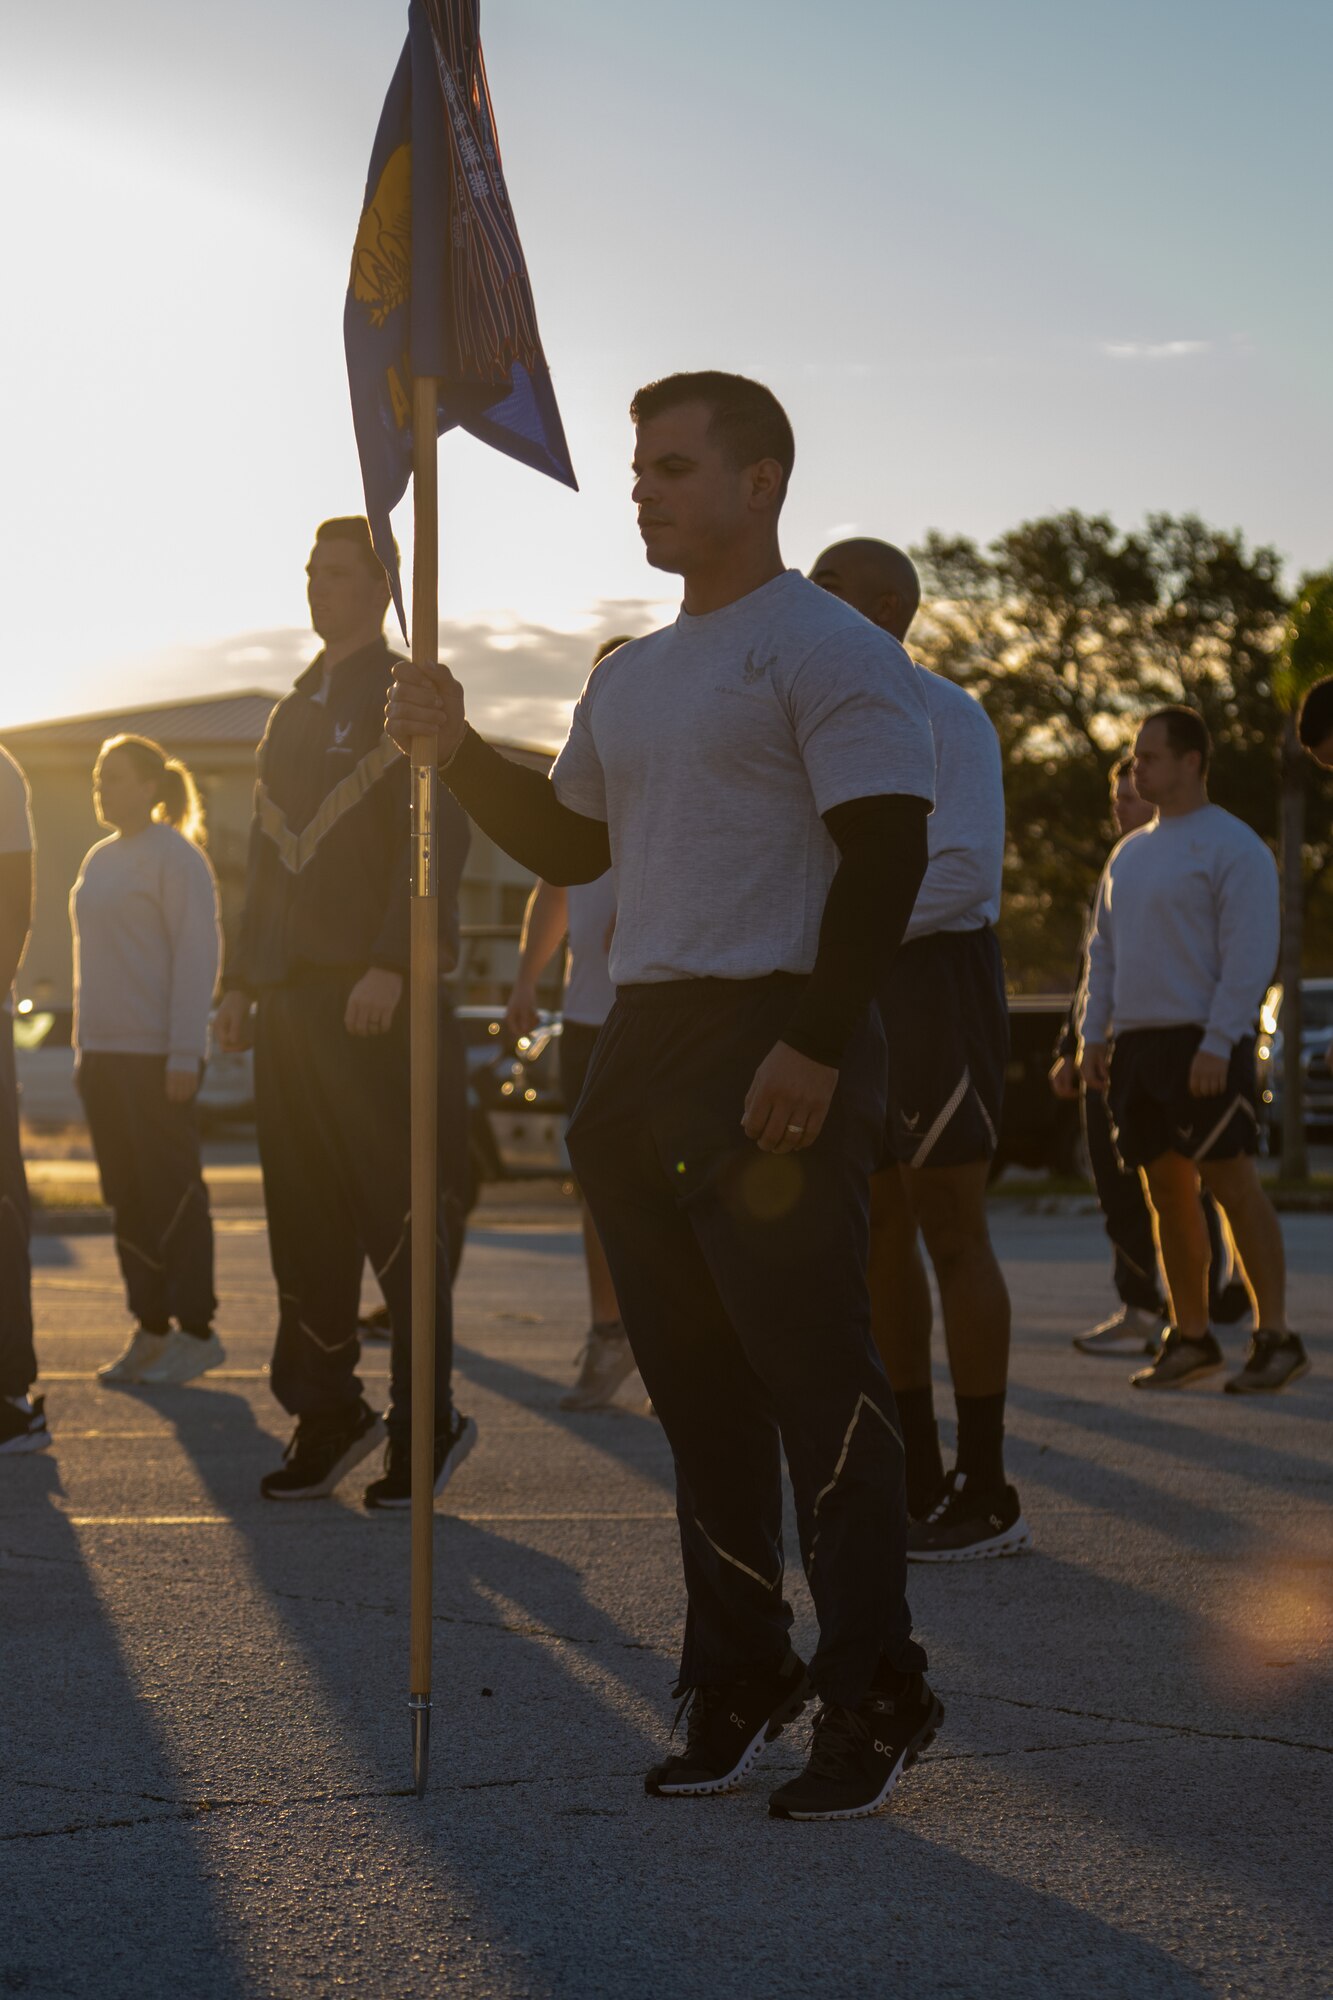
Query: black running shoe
(1273, 1360)
(968, 1524)
(857, 1755)
(1179, 1361)
(728, 1727)
(394, 1486)
(23, 1424)
(323, 1450)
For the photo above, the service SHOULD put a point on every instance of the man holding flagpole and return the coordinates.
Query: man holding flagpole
(440, 333)
(759, 774)
(322, 956)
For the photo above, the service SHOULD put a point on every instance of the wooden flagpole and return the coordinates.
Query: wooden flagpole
(424, 999)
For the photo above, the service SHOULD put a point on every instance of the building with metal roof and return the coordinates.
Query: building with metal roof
(216, 737)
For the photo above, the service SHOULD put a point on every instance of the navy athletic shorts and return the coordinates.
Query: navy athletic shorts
(946, 1020)
(578, 1039)
(1153, 1112)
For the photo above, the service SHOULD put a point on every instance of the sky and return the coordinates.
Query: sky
(995, 261)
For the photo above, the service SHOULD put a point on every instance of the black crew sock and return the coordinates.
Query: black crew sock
(921, 1443)
(981, 1440)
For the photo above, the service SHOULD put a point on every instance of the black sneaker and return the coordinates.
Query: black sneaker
(1179, 1361)
(857, 1755)
(1273, 1360)
(728, 1727)
(23, 1424)
(394, 1486)
(968, 1524)
(323, 1450)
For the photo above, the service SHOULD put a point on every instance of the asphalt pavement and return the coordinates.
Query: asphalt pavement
(204, 1774)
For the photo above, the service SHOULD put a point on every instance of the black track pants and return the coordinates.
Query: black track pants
(18, 1362)
(147, 1152)
(741, 1281)
(333, 1114)
(1129, 1222)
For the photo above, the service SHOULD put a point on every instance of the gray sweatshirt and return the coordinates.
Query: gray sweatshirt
(1185, 931)
(146, 947)
(961, 890)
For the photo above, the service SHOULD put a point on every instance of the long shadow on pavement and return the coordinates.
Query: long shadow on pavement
(1151, 1429)
(537, 1685)
(536, 1845)
(95, 1847)
(636, 1441)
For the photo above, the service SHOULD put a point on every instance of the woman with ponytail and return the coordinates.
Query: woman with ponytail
(146, 947)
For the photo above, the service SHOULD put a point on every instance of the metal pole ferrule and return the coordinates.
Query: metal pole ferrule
(423, 829)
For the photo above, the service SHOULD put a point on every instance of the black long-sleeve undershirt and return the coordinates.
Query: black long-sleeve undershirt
(881, 843)
(518, 808)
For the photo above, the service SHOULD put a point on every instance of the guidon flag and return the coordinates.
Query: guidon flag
(438, 284)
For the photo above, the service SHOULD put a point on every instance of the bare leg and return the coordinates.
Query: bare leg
(606, 1361)
(601, 1291)
(1253, 1222)
(950, 1205)
(1172, 1185)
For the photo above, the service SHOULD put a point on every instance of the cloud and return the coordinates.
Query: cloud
(1154, 350)
(522, 680)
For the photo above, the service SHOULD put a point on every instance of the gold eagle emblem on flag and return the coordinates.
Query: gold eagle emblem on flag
(382, 254)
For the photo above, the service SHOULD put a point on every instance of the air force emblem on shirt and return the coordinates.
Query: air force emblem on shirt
(753, 672)
(342, 740)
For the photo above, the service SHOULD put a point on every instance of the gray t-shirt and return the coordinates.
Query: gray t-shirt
(588, 990)
(961, 891)
(711, 748)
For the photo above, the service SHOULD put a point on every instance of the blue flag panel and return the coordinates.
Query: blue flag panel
(438, 284)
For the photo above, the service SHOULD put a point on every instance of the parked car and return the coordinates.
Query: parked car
(1038, 1130)
(518, 1114)
(516, 1109)
(44, 1061)
(1316, 1061)
(485, 1035)
(227, 1090)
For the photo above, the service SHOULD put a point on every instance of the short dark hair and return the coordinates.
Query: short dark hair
(1315, 722)
(1186, 730)
(1122, 767)
(747, 420)
(608, 646)
(355, 528)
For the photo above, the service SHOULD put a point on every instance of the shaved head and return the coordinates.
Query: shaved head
(875, 578)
